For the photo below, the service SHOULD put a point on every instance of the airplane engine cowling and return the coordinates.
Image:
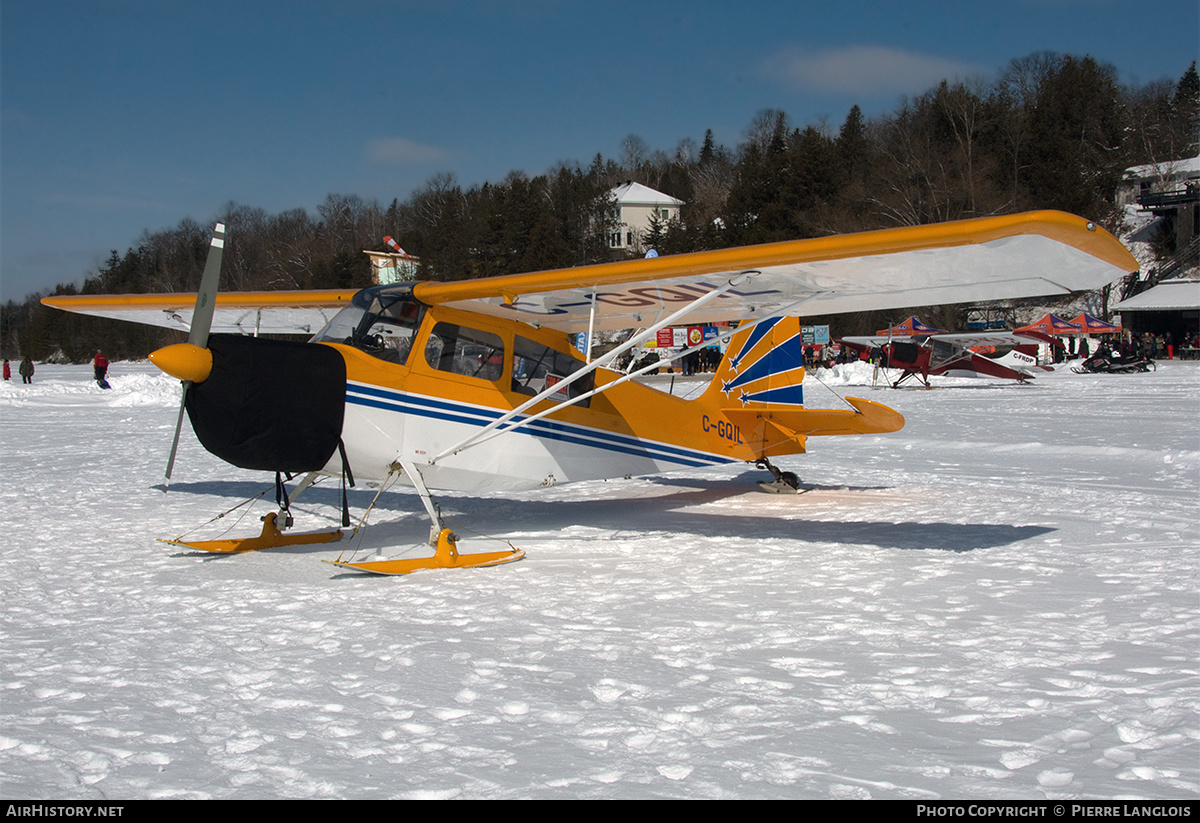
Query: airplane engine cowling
(270, 404)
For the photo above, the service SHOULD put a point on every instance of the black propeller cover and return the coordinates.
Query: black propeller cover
(270, 404)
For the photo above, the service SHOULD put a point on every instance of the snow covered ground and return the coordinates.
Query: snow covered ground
(999, 601)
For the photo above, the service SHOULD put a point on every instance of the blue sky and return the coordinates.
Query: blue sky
(121, 116)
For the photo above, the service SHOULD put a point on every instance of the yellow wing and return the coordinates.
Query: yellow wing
(994, 258)
(1024, 255)
(247, 312)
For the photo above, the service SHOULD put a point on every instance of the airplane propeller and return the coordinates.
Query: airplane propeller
(202, 317)
(261, 404)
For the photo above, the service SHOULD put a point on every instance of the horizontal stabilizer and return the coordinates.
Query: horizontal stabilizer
(870, 418)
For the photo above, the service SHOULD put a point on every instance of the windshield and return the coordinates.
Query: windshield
(380, 321)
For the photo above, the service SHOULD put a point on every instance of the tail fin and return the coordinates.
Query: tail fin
(763, 364)
(758, 388)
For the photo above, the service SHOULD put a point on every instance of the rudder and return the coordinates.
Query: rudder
(763, 364)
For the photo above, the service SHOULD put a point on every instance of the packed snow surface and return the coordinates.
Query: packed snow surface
(999, 601)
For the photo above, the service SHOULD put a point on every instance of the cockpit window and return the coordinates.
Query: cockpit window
(537, 367)
(462, 350)
(380, 321)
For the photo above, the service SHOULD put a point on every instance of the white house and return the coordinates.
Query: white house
(634, 205)
(1169, 191)
(1156, 180)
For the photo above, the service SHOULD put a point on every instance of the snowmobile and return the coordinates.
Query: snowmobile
(1107, 362)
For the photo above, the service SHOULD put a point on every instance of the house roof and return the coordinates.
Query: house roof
(1169, 295)
(1187, 167)
(635, 194)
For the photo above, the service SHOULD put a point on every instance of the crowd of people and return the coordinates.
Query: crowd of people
(26, 369)
(1147, 345)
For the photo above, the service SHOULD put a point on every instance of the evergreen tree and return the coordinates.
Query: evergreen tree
(1076, 131)
(708, 150)
(852, 145)
(656, 233)
(1187, 108)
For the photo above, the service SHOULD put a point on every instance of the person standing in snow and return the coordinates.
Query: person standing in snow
(7, 370)
(26, 370)
(100, 365)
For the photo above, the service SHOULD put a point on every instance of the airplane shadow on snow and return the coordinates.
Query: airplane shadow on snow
(671, 513)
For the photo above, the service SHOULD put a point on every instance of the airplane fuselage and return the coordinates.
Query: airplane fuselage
(414, 416)
(391, 386)
(423, 385)
(413, 410)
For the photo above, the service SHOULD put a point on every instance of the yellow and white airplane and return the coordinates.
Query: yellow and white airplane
(476, 386)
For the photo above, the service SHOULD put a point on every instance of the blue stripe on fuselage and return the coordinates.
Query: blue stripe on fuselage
(438, 409)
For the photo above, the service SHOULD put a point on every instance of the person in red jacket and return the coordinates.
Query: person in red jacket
(100, 364)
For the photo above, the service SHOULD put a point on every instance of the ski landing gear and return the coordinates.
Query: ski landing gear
(784, 483)
(446, 557)
(272, 536)
(440, 537)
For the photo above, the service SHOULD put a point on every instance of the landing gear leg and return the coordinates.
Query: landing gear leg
(283, 519)
(784, 483)
(436, 524)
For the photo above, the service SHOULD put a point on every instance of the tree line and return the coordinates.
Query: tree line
(1054, 131)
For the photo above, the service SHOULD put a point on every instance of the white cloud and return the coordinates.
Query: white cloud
(864, 70)
(400, 151)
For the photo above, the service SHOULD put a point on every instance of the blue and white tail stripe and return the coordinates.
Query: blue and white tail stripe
(771, 373)
(787, 356)
(447, 410)
(784, 396)
(757, 333)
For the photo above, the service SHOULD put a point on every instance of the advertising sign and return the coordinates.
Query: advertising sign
(816, 335)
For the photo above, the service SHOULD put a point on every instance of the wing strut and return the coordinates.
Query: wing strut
(636, 340)
(591, 328)
(591, 367)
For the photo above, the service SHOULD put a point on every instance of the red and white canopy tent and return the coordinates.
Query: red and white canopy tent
(1092, 325)
(912, 327)
(1053, 325)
